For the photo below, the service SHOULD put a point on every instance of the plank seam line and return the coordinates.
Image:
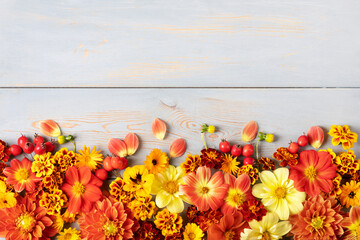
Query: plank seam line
(45, 87)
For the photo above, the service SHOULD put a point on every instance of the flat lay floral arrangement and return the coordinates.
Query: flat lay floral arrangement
(231, 192)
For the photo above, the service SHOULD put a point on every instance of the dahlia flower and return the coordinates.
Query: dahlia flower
(229, 228)
(352, 224)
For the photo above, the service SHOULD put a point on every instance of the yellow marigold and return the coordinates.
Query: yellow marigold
(251, 171)
(157, 161)
(118, 193)
(191, 163)
(65, 159)
(350, 194)
(138, 180)
(267, 163)
(43, 165)
(143, 208)
(169, 223)
(336, 190)
(229, 164)
(69, 234)
(7, 199)
(346, 162)
(53, 201)
(330, 151)
(54, 181)
(343, 135)
(193, 232)
(92, 159)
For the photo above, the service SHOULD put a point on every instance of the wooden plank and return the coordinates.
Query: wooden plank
(186, 43)
(95, 115)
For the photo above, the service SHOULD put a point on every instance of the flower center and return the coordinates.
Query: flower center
(229, 235)
(204, 190)
(280, 192)
(87, 159)
(171, 187)
(78, 188)
(110, 229)
(22, 175)
(154, 162)
(352, 194)
(192, 236)
(317, 222)
(26, 222)
(137, 179)
(310, 172)
(68, 236)
(265, 236)
(237, 198)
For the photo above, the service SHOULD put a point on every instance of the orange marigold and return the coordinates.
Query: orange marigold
(282, 154)
(204, 219)
(65, 159)
(346, 163)
(191, 163)
(253, 209)
(249, 170)
(343, 135)
(211, 158)
(4, 151)
(267, 163)
(169, 223)
(118, 193)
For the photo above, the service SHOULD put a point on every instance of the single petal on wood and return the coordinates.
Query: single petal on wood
(158, 128)
(177, 148)
(315, 136)
(250, 131)
(132, 143)
(50, 128)
(117, 147)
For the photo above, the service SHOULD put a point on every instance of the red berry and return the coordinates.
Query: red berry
(115, 162)
(248, 161)
(303, 141)
(236, 150)
(22, 140)
(107, 164)
(248, 150)
(293, 147)
(28, 148)
(15, 150)
(40, 148)
(224, 146)
(124, 163)
(38, 139)
(50, 146)
(101, 174)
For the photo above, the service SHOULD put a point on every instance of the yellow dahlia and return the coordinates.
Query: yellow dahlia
(92, 159)
(157, 161)
(69, 234)
(350, 194)
(138, 180)
(193, 232)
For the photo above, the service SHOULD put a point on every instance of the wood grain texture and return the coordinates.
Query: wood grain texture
(94, 116)
(185, 43)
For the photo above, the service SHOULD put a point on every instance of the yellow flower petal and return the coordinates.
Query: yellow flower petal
(162, 199)
(176, 205)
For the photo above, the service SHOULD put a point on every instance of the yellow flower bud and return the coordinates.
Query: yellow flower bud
(211, 129)
(269, 138)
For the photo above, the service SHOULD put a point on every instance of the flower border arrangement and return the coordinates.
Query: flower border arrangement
(225, 193)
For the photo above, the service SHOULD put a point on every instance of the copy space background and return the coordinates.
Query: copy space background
(102, 69)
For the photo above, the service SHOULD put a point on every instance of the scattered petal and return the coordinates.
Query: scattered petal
(50, 128)
(177, 148)
(158, 128)
(250, 131)
(132, 143)
(117, 147)
(315, 136)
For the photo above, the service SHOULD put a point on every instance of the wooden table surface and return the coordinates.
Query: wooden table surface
(105, 68)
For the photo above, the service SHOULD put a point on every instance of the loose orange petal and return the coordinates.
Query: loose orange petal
(158, 128)
(315, 136)
(50, 128)
(117, 147)
(250, 131)
(177, 148)
(132, 143)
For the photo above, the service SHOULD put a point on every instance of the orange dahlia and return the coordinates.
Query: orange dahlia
(203, 190)
(82, 188)
(320, 220)
(20, 175)
(313, 173)
(108, 220)
(26, 221)
(229, 228)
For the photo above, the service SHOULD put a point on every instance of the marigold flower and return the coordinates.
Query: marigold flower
(147, 231)
(314, 172)
(211, 158)
(282, 154)
(4, 151)
(82, 188)
(267, 163)
(268, 228)
(352, 224)
(20, 175)
(138, 180)
(118, 193)
(157, 161)
(320, 219)
(350, 194)
(229, 164)
(108, 220)
(346, 163)
(65, 159)
(343, 135)
(43, 165)
(239, 192)
(203, 218)
(69, 234)
(252, 172)
(193, 232)
(169, 223)
(336, 190)
(53, 201)
(92, 159)
(278, 194)
(143, 208)
(26, 221)
(7, 199)
(203, 190)
(253, 209)
(191, 163)
(166, 188)
(229, 227)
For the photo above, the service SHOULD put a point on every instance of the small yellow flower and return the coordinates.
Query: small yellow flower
(193, 232)
(343, 135)
(69, 234)
(350, 194)
(92, 159)
(138, 180)
(269, 137)
(211, 129)
(229, 165)
(169, 223)
(43, 165)
(157, 161)
(143, 208)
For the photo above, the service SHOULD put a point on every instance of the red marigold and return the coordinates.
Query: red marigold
(108, 220)
(4, 151)
(267, 163)
(211, 158)
(282, 154)
(2, 167)
(320, 219)
(147, 231)
(204, 219)
(26, 221)
(229, 228)
(253, 209)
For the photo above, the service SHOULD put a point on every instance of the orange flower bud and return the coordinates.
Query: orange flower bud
(158, 128)
(117, 147)
(132, 143)
(177, 148)
(315, 136)
(50, 128)
(250, 131)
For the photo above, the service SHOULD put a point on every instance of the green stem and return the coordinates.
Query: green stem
(257, 149)
(74, 145)
(203, 139)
